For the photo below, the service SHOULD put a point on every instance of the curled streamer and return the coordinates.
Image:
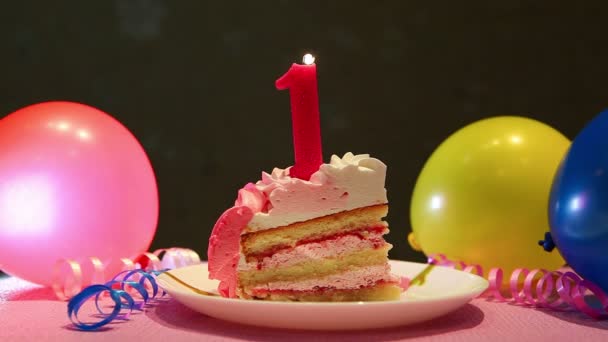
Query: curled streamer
(131, 289)
(70, 275)
(541, 288)
(117, 290)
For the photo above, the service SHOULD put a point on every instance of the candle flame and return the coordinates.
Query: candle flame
(308, 59)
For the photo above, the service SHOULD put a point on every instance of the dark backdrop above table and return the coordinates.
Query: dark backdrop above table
(194, 81)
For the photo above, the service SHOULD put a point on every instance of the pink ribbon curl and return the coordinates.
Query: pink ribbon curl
(555, 290)
(69, 274)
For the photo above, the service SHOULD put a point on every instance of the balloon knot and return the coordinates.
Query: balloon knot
(547, 244)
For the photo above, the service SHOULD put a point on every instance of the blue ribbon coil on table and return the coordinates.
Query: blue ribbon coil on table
(121, 290)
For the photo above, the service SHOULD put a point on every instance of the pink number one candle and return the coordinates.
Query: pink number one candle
(301, 80)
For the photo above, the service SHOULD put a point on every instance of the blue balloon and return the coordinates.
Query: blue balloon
(578, 205)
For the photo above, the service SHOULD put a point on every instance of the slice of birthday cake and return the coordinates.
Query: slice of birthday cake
(307, 240)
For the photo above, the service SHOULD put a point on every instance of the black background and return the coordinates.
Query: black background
(194, 81)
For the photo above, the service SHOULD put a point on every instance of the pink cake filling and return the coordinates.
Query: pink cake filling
(361, 232)
(318, 250)
(350, 280)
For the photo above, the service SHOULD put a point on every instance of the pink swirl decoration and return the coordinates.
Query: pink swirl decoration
(71, 276)
(540, 288)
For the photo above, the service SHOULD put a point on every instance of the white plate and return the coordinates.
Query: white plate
(443, 291)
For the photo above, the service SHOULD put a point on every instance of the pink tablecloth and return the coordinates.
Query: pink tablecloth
(28, 312)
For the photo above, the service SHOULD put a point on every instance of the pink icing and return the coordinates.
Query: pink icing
(223, 252)
(362, 277)
(318, 250)
(250, 196)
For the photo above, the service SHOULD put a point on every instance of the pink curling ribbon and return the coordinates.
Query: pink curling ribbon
(540, 288)
(71, 276)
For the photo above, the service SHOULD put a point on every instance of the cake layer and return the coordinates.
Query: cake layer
(333, 247)
(353, 279)
(315, 268)
(378, 292)
(257, 244)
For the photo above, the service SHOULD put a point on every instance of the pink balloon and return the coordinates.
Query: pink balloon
(74, 183)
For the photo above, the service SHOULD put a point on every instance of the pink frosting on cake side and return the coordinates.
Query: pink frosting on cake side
(223, 252)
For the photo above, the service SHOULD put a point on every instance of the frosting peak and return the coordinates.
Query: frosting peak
(346, 183)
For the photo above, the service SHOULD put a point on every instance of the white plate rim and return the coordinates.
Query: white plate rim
(471, 293)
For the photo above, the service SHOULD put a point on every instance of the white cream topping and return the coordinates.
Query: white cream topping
(346, 183)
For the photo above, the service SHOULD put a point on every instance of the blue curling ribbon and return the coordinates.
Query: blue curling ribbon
(117, 288)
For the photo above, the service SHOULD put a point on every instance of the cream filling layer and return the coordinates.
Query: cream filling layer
(355, 279)
(315, 251)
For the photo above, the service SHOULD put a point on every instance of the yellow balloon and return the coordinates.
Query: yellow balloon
(482, 197)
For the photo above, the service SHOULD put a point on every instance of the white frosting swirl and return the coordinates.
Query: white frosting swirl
(346, 183)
